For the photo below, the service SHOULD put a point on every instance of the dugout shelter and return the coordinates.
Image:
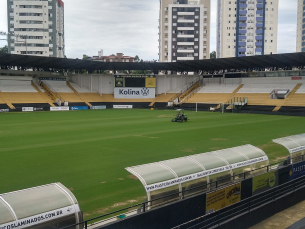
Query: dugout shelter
(295, 145)
(176, 178)
(48, 206)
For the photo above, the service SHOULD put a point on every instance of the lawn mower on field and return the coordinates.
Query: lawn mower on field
(181, 117)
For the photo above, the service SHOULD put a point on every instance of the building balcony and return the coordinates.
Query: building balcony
(242, 18)
(185, 21)
(241, 50)
(258, 37)
(242, 43)
(258, 50)
(185, 58)
(185, 50)
(185, 36)
(258, 44)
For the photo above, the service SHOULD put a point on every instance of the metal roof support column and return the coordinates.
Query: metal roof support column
(81, 81)
(101, 92)
(165, 84)
(91, 83)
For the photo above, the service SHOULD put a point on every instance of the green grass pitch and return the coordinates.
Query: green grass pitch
(88, 151)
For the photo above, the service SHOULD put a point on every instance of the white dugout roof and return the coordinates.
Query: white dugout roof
(294, 143)
(24, 204)
(167, 173)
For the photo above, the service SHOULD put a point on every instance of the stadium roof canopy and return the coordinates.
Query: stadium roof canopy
(167, 173)
(237, 63)
(294, 143)
(34, 201)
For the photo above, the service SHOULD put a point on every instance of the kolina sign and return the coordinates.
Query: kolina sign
(134, 93)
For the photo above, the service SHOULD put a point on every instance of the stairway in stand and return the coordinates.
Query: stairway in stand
(291, 94)
(9, 104)
(76, 93)
(44, 95)
(232, 95)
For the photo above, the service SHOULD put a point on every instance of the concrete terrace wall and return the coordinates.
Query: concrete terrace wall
(104, 84)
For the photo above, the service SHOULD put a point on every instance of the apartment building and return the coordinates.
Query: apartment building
(246, 27)
(301, 27)
(184, 30)
(37, 27)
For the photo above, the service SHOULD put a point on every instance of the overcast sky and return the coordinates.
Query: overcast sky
(131, 27)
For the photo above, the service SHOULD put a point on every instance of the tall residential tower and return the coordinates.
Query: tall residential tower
(246, 27)
(38, 27)
(184, 30)
(301, 27)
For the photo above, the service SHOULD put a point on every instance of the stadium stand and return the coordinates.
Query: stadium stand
(163, 98)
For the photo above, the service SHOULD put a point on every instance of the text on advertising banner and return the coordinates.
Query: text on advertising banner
(264, 182)
(102, 107)
(122, 106)
(223, 198)
(298, 170)
(134, 93)
(27, 109)
(59, 108)
(77, 108)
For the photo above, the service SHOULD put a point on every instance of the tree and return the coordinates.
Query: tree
(213, 55)
(137, 58)
(85, 57)
(4, 49)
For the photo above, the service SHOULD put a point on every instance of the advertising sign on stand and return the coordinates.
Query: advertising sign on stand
(27, 109)
(122, 106)
(297, 170)
(102, 107)
(264, 182)
(134, 93)
(78, 108)
(223, 198)
(59, 108)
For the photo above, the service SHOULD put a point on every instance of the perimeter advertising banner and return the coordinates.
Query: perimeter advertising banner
(223, 198)
(27, 109)
(264, 182)
(298, 170)
(59, 108)
(134, 93)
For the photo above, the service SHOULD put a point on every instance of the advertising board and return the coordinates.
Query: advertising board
(134, 93)
(78, 108)
(297, 170)
(27, 109)
(4, 110)
(223, 198)
(264, 182)
(38, 109)
(98, 107)
(122, 106)
(59, 108)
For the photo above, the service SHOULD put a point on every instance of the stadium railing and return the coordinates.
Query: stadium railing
(213, 186)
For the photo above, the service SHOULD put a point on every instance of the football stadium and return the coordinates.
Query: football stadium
(194, 144)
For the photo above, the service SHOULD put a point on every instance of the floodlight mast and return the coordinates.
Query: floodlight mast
(16, 35)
